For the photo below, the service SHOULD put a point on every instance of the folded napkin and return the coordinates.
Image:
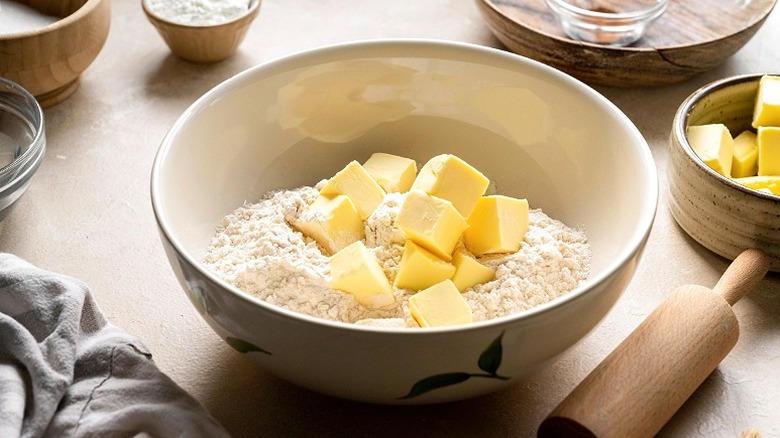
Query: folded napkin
(66, 372)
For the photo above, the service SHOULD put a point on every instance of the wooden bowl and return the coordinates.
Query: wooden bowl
(203, 43)
(722, 215)
(689, 38)
(48, 61)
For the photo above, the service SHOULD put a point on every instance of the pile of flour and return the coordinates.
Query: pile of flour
(257, 250)
(199, 12)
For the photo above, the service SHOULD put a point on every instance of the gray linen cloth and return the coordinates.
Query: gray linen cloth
(66, 372)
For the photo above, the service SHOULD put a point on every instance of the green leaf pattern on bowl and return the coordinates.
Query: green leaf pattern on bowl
(196, 296)
(243, 346)
(489, 362)
(490, 359)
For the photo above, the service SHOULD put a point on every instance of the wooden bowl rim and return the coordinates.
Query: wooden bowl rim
(682, 114)
(84, 10)
(626, 49)
(254, 6)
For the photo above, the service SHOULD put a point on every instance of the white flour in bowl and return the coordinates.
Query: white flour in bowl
(199, 12)
(256, 250)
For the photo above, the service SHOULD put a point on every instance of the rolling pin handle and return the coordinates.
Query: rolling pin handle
(641, 384)
(743, 275)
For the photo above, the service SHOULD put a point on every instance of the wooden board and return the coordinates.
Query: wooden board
(691, 37)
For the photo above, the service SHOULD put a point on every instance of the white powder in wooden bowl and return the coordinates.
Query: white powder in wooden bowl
(257, 250)
(199, 12)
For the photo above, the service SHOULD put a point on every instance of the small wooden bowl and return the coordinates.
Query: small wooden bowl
(48, 61)
(203, 43)
(722, 215)
(689, 38)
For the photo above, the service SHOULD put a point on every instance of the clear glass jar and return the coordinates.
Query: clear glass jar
(610, 23)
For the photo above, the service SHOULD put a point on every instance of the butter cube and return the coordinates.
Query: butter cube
(420, 268)
(332, 221)
(714, 145)
(767, 109)
(497, 225)
(469, 272)
(355, 182)
(768, 151)
(770, 184)
(431, 222)
(355, 270)
(448, 177)
(391, 172)
(745, 160)
(438, 305)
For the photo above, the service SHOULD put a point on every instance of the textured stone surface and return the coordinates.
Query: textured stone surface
(88, 215)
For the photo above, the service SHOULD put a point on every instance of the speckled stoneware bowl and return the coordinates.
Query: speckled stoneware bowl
(722, 215)
(535, 131)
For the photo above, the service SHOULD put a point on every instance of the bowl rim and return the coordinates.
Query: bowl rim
(26, 163)
(250, 13)
(410, 46)
(681, 120)
(83, 10)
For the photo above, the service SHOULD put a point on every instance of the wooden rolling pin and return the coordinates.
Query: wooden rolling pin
(640, 385)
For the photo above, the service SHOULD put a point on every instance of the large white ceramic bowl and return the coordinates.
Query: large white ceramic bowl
(533, 130)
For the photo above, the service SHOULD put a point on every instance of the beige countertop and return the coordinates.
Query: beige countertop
(88, 215)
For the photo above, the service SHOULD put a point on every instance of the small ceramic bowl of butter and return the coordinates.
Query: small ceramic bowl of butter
(45, 46)
(22, 142)
(459, 140)
(202, 31)
(724, 165)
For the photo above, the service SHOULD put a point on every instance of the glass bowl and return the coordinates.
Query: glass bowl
(610, 23)
(22, 142)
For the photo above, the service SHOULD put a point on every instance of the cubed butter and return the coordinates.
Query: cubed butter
(332, 221)
(355, 182)
(448, 177)
(439, 305)
(497, 225)
(355, 270)
(431, 222)
(714, 145)
(767, 109)
(745, 160)
(391, 172)
(768, 151)
(765, 184)
(420, 268)
(469, 272)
